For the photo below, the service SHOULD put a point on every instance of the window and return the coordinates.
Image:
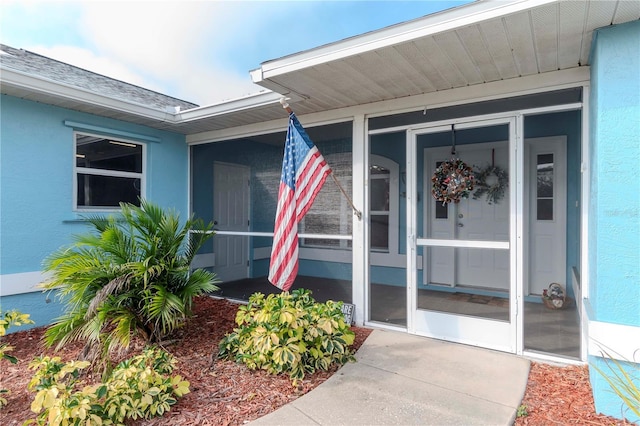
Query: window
(379, 180)
(331, 213)
(441, 209)
(383, 212)
(544, 187)
(107, 172)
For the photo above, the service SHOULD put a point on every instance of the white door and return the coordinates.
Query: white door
(547, 198)
(470, 219)
(468, 245)
(440, 224)
(231, 214)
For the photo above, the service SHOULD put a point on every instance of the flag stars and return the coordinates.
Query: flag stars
(301, 162)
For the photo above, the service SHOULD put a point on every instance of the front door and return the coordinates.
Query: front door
(464, 290)
(545, 208)
(473, 218)
(231, 215)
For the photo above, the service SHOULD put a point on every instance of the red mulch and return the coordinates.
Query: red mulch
(561, 396)
(226, 393)
(222, 392)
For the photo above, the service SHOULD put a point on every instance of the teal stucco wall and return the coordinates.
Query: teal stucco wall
(36, 189)
(614, 211)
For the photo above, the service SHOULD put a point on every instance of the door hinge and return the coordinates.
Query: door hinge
(248, 222)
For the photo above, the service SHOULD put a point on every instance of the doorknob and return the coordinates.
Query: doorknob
(215, 222)
(460, 225)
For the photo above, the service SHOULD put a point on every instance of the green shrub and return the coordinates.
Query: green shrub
(130, 276)
(289, 333)
(10, 318)
(140, 387)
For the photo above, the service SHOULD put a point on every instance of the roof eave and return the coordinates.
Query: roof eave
(431, 24)
(248, 102)
(39, 85)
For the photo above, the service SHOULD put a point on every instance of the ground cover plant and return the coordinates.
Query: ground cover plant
(140, 387)
(9, 319)
(224, 392)
(289, 333)
(127, 277)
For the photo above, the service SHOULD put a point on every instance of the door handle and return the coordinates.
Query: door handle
(460, 225)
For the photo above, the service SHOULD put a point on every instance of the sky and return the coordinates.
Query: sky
(197, 51)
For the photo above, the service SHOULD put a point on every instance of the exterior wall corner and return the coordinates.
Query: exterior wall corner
(614, 211)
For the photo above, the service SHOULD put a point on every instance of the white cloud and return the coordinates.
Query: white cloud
(88, 60)
(175, 43)
(199, 51)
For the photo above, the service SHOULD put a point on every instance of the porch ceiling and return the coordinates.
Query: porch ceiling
(473, 44)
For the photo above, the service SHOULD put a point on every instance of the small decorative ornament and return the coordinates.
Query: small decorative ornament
(554, 297)
(491, 181)
(452, 181)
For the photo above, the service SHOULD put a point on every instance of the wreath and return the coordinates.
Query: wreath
(452, 181)
(492, 181)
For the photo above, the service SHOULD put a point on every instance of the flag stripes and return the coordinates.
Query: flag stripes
(304, 171)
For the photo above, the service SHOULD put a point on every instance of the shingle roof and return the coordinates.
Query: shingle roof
(37, 65)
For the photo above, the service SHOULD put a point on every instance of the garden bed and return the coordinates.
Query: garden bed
(226, 393)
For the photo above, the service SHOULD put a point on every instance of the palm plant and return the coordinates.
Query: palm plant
(130, 276)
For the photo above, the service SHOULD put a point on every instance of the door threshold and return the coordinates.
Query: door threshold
(549, 358)
(386, 326)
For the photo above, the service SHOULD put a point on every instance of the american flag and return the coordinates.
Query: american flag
(303, 174)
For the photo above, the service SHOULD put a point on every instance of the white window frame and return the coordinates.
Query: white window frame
(344, 213)
(104, 172)
(378, 257)
(393, 213)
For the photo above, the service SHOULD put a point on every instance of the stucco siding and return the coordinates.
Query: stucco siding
(36, 186)
(616, 188)
(614, 223)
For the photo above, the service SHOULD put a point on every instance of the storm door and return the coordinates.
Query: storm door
(462, 267)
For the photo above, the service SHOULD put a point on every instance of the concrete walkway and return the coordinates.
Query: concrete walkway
(401, 379)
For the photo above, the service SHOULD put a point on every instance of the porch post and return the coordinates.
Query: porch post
(360, 148)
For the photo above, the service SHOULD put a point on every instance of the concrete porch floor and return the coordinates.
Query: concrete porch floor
(554, 332)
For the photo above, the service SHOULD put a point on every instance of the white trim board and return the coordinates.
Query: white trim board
(21, 283)
(621, 342)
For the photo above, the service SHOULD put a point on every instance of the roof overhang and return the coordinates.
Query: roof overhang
(261, 106)
(479, 43)
(474, 44)
(30, 87)
(429, 25)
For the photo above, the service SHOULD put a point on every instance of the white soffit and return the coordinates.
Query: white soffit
(258, 107)
(473, 44)
(482, 42)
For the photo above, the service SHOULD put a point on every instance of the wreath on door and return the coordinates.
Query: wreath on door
(491, 181)
(452, 181)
